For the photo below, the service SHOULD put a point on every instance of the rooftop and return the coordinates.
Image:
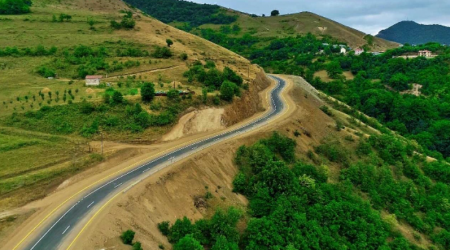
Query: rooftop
(94, 77)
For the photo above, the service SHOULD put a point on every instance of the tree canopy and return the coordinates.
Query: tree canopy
(8, 7)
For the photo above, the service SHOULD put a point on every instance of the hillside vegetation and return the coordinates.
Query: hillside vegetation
(415, 33)
(262, 28)
(47, 114)
(293, 204)
(378, 85)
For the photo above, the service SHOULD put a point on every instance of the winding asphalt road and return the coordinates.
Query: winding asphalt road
(55, 233)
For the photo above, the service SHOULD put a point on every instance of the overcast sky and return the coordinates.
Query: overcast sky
(369, 16)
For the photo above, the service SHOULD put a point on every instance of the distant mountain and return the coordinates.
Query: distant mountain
(415, 33)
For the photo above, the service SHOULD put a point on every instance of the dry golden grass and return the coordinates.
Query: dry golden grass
(303, 23)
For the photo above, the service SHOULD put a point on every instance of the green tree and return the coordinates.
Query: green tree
(137, 246)
(173, 94)
(188, 242)
(169, 42)
(164, 228)
(223, 244)
(275, 13)
(213, 78)
(334, 69)
(227, 90)
(399, 82)
(127, 237)
(117, 98)
(127, 23)
(8, 7)
(148, 92)
(91, 22)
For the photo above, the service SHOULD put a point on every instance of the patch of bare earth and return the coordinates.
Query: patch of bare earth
(414, 91)
(197, 121)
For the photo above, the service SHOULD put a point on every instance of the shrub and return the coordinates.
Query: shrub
(117, 98)
(127, 23)
(184, 56)
(137, 246)
(148, 92)
(227, 90)
(162, 52)
(46, 72)
(164, 228)
(334, 152)
(127, 237)
(188, 243)
(169, 42)
(230, 75)
(326, 110)
(173, 94)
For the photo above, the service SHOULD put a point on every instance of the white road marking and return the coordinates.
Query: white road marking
(118, 185)
(66, 229)
(52, 227)
(90, 204)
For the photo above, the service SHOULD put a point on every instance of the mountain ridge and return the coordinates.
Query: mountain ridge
(415, 33)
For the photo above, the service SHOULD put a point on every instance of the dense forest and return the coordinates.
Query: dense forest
(8, 7)
(191, 14)
(414, 33)
(293, 206)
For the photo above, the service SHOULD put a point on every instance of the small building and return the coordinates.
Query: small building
(93, 80)
(343, 51)
(359, 51)
(425, 53)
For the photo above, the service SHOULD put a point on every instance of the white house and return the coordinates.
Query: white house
(343, 51)
(425, 53)
(358, 51)
(93, 80)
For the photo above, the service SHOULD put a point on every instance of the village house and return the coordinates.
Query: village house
(93, 80)
(425, 53)
(343, 51)
(358, 51)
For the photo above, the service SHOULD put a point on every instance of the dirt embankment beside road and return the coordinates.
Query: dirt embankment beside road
(250, 102)
(213, 119)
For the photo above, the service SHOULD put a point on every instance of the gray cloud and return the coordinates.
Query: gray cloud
(369, 16)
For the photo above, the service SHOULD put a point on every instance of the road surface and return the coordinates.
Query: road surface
(56, 232)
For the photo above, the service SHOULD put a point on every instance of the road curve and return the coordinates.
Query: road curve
(54, 234)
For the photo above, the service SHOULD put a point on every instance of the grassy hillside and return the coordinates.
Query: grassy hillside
(191, 16)
(48, 115)
(301, 24)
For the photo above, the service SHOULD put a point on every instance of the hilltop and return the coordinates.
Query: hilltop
(195, 17)
(415, 33)
(303, 23)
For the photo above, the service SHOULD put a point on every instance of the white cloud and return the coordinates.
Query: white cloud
(369, 16)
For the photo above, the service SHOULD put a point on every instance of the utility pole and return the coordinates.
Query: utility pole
(101, 134)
